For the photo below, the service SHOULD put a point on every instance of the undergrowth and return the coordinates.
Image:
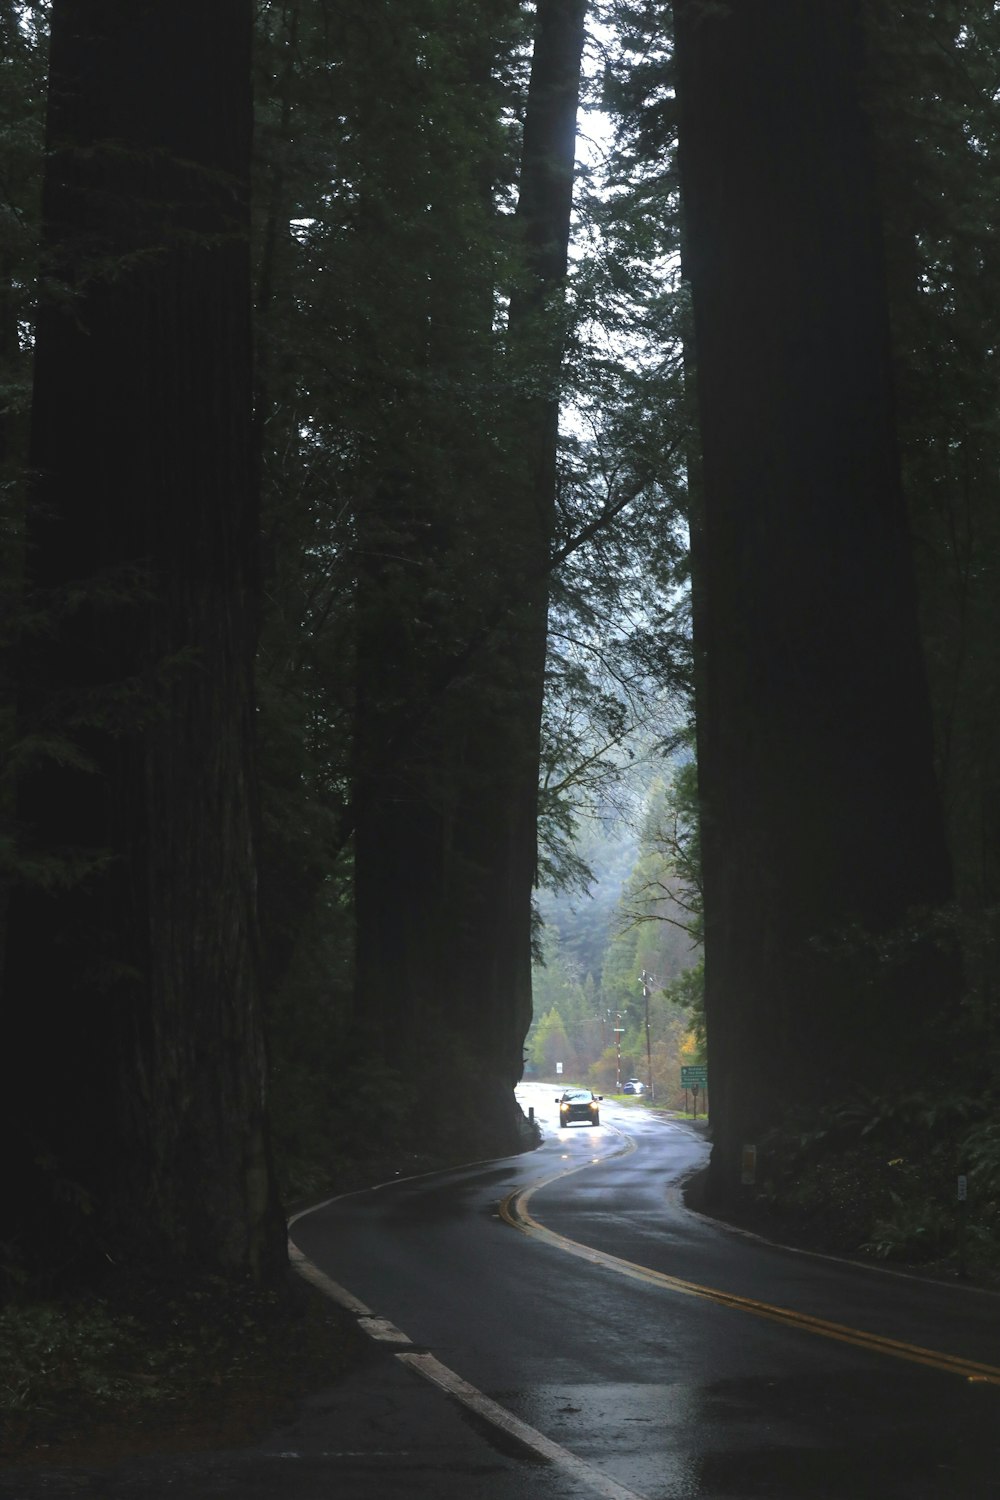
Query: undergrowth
(154, 1368)
(879, 1177)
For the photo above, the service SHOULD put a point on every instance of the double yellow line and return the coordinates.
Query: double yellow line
(513, 1210)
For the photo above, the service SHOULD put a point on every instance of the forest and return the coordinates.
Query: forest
(617, 987)
(499, 532)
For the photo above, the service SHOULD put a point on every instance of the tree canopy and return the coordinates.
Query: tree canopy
(395, 494)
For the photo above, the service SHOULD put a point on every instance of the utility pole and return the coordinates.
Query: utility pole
(647, 981)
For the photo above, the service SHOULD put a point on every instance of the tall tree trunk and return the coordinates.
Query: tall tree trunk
(537, 338)
(134, 1067)
(422, 489)
(822, 829)
(452, 633)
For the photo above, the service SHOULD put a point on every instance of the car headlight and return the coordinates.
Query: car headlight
(593, 1103)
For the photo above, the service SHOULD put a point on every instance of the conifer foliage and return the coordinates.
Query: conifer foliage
(348, 548)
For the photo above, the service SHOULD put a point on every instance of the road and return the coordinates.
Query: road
(664, 1356)
(559, 1325)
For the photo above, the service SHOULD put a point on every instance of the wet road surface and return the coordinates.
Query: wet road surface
(559, 1324)
(680, 1360)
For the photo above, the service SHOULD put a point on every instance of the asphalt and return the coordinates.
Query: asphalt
(382, 1431)
(682, 1401)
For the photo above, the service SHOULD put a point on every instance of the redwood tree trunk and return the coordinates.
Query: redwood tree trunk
(134, 1066)
(452, 606)
(822, 828)
(537, 337)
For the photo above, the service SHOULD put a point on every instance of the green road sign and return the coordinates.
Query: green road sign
(694, 1075)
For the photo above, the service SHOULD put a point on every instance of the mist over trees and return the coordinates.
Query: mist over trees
(618, 985)
(376, 494)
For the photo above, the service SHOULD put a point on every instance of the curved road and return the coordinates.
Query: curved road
(609, 1342)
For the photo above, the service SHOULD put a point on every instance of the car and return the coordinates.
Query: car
(579, 1104)
(633, 1086)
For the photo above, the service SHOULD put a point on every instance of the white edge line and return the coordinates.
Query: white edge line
(438, 1374)
(383, 1331)
(377, 1187)
(498, 1416)
(845, 1261)
(340, 1294)
(835, 1260)
(452, 1384)
(325, 1283)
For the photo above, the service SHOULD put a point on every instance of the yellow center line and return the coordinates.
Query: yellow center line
(513, 1210)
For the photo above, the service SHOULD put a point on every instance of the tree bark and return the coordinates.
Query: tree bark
(822, 829)
(537, 339)
(452, 634)
(135, 1072)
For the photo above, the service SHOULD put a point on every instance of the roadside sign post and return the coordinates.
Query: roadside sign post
(647, 981)
(619, 1029)
(694, 1076)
